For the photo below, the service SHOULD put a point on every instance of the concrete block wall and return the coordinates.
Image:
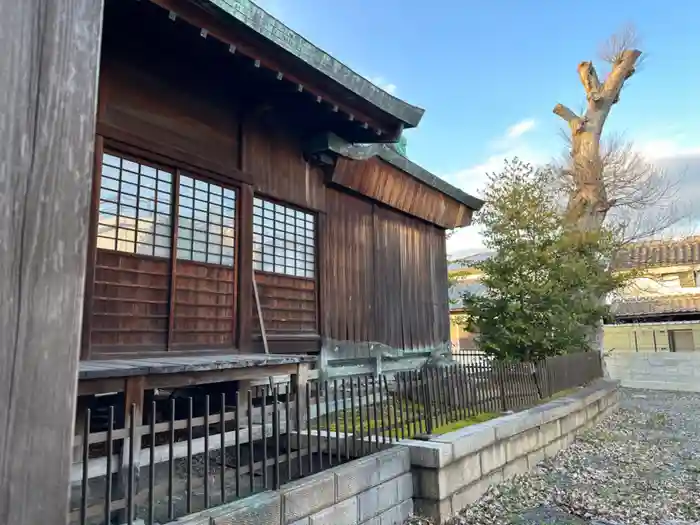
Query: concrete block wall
(454, 470)
(374, 490)
(676, 371)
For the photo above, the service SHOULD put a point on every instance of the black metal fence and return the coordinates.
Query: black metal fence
(187, 454)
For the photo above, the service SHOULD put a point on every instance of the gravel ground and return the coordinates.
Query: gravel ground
(639, 466)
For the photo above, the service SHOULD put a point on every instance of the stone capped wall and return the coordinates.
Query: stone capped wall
(453, 470)
(374, 490)
(438, 477)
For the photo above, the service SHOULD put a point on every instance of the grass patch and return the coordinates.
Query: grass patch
(401, 420)
(474, 420)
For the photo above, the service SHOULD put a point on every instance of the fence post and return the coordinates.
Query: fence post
(501, 381)
(425, 385)
(535, 369)
(127, 482)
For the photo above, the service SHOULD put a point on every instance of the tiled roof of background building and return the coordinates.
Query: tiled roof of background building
(647, 306)
(660, 253)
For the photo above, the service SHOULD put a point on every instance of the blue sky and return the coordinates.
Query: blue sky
(489, 74)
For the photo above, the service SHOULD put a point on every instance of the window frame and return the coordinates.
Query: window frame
(98, 199)
(138, 155)
(314, 247)
(234, 228)
(107, 146)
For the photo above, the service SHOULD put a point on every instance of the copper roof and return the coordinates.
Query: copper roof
(660, 253)
(647, 306)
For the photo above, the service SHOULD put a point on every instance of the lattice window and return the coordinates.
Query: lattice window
(207, 214)
(283, 239)
(135, 207)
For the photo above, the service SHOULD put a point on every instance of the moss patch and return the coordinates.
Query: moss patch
(561, 393)
(456, 425)
(402, 419)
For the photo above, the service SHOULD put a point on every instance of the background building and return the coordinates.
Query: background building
(659, 311)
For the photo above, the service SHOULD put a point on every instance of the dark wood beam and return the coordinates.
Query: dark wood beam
(49, 63)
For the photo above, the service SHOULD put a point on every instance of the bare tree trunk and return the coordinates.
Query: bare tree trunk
(588, 200)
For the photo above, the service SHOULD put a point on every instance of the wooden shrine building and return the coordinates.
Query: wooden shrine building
(229, 149)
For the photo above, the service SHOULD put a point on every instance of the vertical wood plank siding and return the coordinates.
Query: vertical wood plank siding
(347, 267)
(384, 276)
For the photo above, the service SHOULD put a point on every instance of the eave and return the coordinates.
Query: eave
(333, 146)
(271, 42)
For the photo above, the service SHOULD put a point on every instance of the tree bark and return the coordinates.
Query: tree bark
(588, 202)
(49, 64)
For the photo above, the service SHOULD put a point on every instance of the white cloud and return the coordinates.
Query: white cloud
(382, 83)
(666, 149)
(474, 178)
(673, 154)
(465, 240)
(520, 128)
(513, 135)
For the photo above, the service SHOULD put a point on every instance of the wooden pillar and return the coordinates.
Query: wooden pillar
(245, 269)
(300, 380)
(242, 407)
(129, 458)
(91, 257)
(48, 86)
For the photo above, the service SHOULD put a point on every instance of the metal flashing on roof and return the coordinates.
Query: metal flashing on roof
(331, 142)
(276, 32)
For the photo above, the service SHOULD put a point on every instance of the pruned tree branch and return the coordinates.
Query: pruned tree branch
(575, 122)
(641, 199)
(622, 70)
(590, 81)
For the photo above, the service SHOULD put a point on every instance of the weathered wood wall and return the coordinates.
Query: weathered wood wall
(167, 105)
(273, 156)
(383, 275)
(49, 64)
(380, 274)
